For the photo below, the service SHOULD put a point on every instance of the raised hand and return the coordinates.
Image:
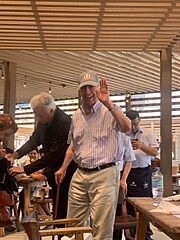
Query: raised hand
(103, 93)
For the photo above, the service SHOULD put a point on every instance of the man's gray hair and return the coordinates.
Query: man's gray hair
(43, 100)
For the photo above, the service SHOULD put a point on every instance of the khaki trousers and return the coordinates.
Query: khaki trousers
(93, 196)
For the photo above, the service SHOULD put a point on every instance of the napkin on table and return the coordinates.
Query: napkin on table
(173, 198)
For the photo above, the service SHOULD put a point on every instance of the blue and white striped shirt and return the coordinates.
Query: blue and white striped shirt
(95, 139)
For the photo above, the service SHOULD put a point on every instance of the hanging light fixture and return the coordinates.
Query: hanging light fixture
(63, 85)
(127, 96)
(25, 80)
(50, 86)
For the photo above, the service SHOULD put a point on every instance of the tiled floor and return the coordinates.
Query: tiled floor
(22, 236)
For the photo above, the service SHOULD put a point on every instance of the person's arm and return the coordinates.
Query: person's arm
(151, 150)
(30, 145)
(60, 174)
(128, 157)
(126, 170)
(53, 158)
(47, 172)
(38, 176)
(103, 96)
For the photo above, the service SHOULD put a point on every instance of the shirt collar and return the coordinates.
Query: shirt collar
(130, 133)
(94, 108)
(141, 130)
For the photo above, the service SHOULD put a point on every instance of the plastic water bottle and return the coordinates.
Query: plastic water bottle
(157, 186)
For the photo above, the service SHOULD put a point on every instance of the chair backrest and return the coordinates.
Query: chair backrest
(122, 202)
(124, 221)
(31, 225)
(12, 214)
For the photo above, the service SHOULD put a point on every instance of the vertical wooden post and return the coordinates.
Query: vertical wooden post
(10, 94)
(166, 119)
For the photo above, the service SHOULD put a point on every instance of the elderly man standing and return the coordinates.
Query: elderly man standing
(96, 147)
(52, 132)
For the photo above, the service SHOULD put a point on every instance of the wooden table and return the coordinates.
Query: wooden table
(167, 223)
(26, 183)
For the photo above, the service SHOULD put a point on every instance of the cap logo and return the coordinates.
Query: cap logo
(87, 76)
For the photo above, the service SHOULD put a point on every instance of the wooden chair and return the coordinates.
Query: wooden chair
(14, 216)
(32, 225)
(43, 200)
(42, 193)
(125, 221)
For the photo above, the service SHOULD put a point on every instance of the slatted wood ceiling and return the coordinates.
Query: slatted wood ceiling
(56, 40)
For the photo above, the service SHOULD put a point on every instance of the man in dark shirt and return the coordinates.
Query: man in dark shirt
(52, 132)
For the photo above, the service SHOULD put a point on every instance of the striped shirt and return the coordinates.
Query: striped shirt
(95, 139)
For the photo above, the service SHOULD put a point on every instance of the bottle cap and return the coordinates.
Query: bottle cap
(157, 169)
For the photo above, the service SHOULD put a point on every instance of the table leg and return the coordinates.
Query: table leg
(27, 198)
(141, 227)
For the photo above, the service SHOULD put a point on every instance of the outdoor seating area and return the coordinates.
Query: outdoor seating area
(90, 120)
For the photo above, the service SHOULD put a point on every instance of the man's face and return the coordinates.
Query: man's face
(43, 115)
(135, 123)
(88, 95)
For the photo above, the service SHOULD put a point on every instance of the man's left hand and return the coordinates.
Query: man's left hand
(123, 186)
(136, 144)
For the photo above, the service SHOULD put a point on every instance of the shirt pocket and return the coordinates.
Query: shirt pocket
(97, 134)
